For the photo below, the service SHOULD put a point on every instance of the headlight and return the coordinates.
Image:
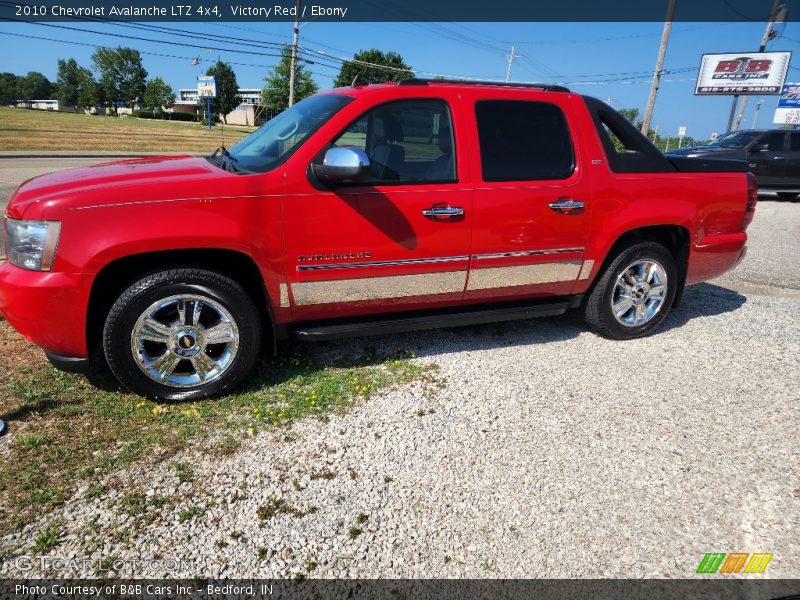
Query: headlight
(32, 244)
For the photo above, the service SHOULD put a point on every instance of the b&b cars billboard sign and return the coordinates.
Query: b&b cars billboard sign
(758, 73)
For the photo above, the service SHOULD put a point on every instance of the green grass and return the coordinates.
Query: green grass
(47, 540)
(23, 129)
(70, 432)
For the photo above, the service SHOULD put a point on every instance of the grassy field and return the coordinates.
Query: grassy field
(67, 432)
(22, 129)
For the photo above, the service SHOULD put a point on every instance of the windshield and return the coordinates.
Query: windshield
(735, 139)
(272, 143)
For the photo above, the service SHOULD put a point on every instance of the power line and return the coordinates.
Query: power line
(159, 54)
(218, 48)
(621, 37)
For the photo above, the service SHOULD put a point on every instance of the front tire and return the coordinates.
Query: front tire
(635, 292)
(183, 334)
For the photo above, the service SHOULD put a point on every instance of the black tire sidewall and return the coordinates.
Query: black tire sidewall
(604, 321)
(141, 295)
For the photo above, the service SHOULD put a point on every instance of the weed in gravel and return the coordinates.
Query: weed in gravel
(47, 540)
(275, 506)
(262, 553)
(95, 491)
(387, 479)
(311, 564)
(107, 563)
(353, 533)
(361, 519)
(227, 445)
(447, 559)
(184, 471)
(190, 513)
(325, 473)
(134, 504)
(487, 565)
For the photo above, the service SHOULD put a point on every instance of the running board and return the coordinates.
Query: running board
(400, 322)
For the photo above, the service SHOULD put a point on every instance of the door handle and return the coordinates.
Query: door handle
(567, 206)
(443, 212)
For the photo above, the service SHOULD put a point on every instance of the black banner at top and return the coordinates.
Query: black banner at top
(392, 10)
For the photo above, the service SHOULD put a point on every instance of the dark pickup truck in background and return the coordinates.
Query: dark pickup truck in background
(773, 156)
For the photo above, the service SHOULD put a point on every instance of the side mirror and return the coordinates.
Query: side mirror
(341, 165)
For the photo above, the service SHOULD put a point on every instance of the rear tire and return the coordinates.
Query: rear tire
(635, 292)
(786, 195)
(182, 334)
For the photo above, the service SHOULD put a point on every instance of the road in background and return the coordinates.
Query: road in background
(14, 171)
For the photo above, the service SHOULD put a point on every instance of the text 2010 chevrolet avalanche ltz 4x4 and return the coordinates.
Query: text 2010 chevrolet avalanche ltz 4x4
(368, 209)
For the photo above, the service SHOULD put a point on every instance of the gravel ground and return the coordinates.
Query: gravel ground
(549, 453)
(546, 452)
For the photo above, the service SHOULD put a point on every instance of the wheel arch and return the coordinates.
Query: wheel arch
(673, 237)
(119, 274)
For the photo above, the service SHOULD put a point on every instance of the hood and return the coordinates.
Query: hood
(116, 182)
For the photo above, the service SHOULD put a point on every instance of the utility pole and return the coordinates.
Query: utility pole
(295, 40)
(755, 116)
(511, 58)
(776, 14)
(662, 50)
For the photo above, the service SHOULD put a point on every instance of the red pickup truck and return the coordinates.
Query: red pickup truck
(368, 209)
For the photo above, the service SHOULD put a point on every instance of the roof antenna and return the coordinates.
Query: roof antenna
(357, 81)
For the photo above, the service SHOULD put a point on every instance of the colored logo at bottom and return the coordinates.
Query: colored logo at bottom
(735, 562)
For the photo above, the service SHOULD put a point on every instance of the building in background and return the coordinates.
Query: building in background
(46, 105)
(249, 112)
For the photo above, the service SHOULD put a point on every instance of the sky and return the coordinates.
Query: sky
(611, 61)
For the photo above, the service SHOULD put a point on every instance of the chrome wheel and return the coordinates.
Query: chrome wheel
(639, 293)
(184, 340)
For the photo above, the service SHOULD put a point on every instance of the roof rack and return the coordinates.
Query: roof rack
(547, 87)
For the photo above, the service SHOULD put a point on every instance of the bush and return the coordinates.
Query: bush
(183, 117)
(163, 115)
(147, 114)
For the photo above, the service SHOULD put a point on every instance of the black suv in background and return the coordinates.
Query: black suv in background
(773, 156)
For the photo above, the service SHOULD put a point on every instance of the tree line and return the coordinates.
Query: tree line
(117, 76)
(661, 142)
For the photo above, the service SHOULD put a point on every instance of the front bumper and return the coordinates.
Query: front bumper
(49, 309)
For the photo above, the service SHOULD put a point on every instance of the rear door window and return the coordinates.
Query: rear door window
(523, 141)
